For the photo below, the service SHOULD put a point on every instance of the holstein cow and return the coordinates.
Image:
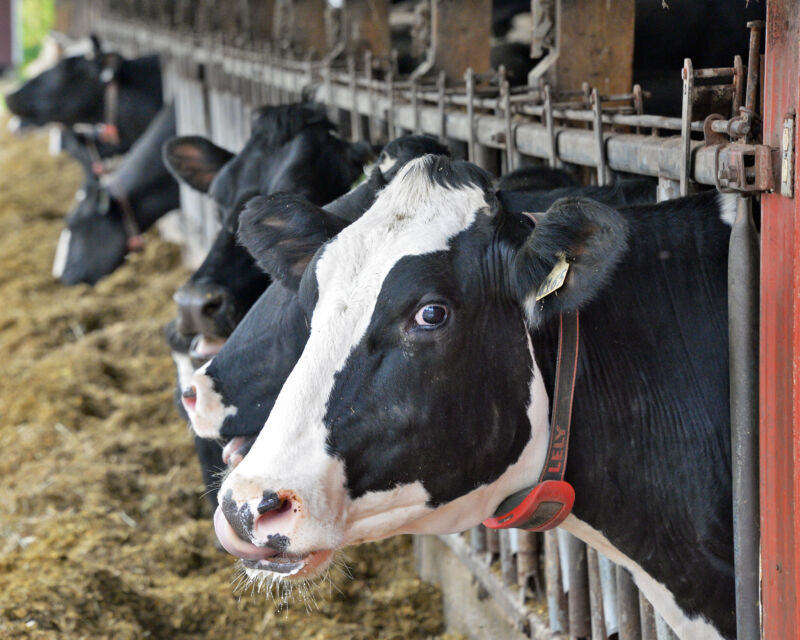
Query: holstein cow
(232, 396)
(107, 221)
(291, 148)
(272, 335)
(421, 399)
(101, 88)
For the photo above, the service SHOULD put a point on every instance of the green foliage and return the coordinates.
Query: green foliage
(37, 20)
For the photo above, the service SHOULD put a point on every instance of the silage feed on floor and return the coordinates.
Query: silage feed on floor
(103, 530)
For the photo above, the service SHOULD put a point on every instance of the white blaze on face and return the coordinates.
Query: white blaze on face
(412, 216)
(62, 252)
(209, 411)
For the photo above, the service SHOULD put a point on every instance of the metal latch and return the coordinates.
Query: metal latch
(787, 157)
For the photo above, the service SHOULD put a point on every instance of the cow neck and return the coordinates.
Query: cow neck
(545, 505)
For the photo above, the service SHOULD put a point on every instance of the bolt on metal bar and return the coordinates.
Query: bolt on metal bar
(743, 322)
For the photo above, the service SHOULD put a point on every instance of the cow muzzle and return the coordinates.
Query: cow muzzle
(259, 533)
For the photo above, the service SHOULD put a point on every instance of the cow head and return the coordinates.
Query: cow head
(232, 395)
(417, 404)
(70, 92)
(291, 148)
(94, 242)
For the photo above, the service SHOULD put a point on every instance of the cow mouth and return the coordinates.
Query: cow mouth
(236, 449)
(267, 559)
(203, 348)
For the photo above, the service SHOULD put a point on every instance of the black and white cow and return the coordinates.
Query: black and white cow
(232, 396)
(421, 399)
(271, 337)
(107, 220)
(93, 89)
(291, 148)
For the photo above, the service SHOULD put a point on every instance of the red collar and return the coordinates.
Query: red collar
(546, 505)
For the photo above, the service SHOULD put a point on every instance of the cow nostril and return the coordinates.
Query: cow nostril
(190, 393)
(271, 502)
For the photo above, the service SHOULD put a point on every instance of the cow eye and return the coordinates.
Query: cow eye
(431, 316)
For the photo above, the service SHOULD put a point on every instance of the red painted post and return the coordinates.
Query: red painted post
(780, 340)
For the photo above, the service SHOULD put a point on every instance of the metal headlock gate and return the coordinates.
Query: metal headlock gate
(223, 59)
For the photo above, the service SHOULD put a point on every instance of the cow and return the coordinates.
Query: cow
(421, 399)
(291, 148)
(280, 327)
(122, 96)
(231, 397)
(107, 220)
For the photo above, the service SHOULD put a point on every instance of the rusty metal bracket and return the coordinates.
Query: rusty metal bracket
(746, 168)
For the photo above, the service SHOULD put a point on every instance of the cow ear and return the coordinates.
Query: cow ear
(283, 232)
(195, 160)
(568, 257)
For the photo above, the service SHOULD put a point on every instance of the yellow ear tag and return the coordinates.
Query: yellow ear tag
(555, 279)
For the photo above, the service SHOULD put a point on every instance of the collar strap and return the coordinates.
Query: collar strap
(135, 241)
(108, 132)
(550, 501)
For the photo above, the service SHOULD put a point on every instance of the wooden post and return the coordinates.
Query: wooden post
(461, 31)
(595, 41)
(367, 27)
(779, 386)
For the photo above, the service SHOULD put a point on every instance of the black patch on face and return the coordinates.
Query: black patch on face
(251, 368)
(240, 518)
(446, 407)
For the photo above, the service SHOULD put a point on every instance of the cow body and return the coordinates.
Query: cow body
(421, 399)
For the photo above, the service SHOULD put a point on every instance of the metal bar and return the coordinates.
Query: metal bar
(508, 566)
(663, 631)
(469, 79)
(602, 167)
(553, 160)
(505, 98)
(528, 562)
(595, 596)
(492, 542)
(441, 84)
(355, 115)
(630, 625)
(648, 618)
(743, 298)
(556, 598)
(578, 596)
(686, 118)
(753, 64)
(477, 539)
(608, 583)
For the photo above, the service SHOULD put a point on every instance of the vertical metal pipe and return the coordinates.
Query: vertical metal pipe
(492, 542)
(527, 561)
(508, 566)
(551, 127)
(602, 169)
(556, 599)
(392, 132)
(469, 79)
(608, 584)
(595, 596)
(753, 63)
(630, 626)
(441, 85)
(477, 539)
(578, 596)
(647, 615)
(743, 329)
(356, 131)
(415, 104)
(686, 124)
